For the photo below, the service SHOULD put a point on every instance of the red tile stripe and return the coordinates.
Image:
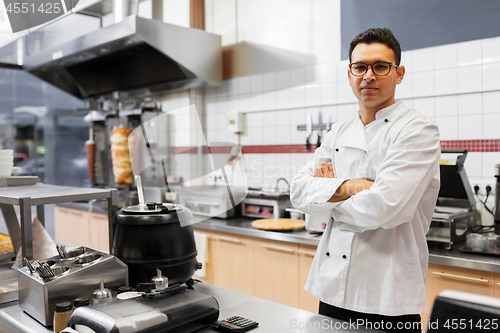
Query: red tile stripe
(482, 146)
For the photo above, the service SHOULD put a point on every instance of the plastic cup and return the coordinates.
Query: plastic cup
(6, 152)
(478, 242)
(492, 243)
(6, 169)
(6, 159)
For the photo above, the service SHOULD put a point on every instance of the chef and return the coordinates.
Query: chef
(376, 177)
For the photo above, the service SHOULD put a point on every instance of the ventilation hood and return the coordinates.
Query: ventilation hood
(136, 55)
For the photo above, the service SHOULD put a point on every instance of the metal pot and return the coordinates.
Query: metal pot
(147, 237)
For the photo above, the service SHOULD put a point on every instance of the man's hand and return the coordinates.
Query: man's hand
(324, 170)
(347, 189)
(350, 188)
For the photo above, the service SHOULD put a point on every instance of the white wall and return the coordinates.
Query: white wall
(289, 31)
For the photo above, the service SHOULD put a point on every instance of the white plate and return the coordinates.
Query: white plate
(16, 170)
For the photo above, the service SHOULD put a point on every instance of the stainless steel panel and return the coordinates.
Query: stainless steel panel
(38, 296)
(8, 283)
(137, 55)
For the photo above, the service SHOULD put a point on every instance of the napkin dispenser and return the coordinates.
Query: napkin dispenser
(175, 309)
(78, 275)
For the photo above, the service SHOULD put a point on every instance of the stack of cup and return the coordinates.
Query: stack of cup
(6, 162)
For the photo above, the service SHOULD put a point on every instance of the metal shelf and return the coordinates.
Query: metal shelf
(26, 196)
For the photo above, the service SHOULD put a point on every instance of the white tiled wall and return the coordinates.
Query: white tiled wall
(455, 85)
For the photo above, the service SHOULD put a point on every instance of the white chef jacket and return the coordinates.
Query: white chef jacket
(373, 255)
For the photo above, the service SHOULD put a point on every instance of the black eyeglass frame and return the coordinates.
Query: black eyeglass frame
(371, 65)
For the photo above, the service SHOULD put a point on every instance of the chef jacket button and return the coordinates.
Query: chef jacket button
(328, 254)
(386, 120)
(344, 256)
(336, 149)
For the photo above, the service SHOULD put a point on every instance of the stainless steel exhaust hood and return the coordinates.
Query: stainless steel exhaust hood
(138, 55)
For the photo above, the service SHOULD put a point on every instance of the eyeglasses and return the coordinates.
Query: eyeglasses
(380, 68)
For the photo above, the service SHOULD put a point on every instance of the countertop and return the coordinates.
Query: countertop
(437, 255)
(243, 226)
(272, 317)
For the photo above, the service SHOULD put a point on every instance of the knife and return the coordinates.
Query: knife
(308, 129)
(319, 131)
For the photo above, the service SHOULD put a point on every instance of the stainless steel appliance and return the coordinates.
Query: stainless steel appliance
(262, 204)
(76, 276)
(212, 201)
(175, 309)
(455, 210)
(138, 55)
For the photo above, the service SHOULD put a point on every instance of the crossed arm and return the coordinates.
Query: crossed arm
(347, 189)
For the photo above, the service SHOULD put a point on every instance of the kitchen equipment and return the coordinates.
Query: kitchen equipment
(76, 276)
(175, 309)
(212, 201)
(455, 211)
(102, 295)
(317, 222)
(160, 281)
(295, 214)
(474, 311)
(136, 55)
(152, 237)
(8, 284)
(308, 129)
(266, 204)
(497, 200)
(279, 224)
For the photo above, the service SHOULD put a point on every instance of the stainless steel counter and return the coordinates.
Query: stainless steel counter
(437, 255)
(272, 317)
(39, 195)
(243, 226)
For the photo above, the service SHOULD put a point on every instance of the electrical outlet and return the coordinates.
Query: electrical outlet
(482, 188)
(479, 192)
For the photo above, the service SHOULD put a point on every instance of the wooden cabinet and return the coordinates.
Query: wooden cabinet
(306, 300)
(276, 271)
(78, 227)
(441, 277)
(497, 284)
(71, 226)
(233, 262)
(267, 269)
(98, 230)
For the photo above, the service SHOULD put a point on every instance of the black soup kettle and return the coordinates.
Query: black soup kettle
(149, 237)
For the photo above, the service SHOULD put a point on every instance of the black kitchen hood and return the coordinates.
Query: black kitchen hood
(137, 55)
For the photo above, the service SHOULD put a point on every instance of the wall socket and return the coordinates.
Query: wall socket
(486, 217)
(482, 188)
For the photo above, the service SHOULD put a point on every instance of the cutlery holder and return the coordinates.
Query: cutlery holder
(76, 276)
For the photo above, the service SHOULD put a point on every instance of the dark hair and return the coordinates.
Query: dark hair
(377, 35)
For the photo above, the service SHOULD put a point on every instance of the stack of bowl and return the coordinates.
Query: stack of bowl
(6, 162)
